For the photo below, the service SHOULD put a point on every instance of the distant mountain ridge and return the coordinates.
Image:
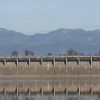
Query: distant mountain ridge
(56, 42)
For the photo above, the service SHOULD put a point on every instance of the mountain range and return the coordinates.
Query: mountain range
(55, 42)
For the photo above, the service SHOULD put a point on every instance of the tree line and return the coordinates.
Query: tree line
(27, 53)
(68, 52)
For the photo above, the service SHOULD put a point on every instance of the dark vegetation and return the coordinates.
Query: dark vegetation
(70, 52)
(28, 52)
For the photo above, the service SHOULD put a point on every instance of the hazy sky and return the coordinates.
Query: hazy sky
(34, 16)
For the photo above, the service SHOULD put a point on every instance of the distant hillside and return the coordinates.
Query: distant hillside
(56, 42)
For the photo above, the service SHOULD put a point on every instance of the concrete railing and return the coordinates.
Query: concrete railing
(30, 61)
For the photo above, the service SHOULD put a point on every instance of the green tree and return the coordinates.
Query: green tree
(49, 54)
(99, 52)
(75, 53)
(14, 53)
(31, 53)
(28, 52)
(72, 52)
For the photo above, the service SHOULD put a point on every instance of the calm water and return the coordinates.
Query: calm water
(45, 98)
(38, 97)
(25, 96)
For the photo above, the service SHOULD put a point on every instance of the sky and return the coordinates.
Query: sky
(42, 16)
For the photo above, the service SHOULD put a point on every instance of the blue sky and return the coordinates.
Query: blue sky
(41, 16)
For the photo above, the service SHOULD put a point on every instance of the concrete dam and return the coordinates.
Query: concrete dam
(50, 74)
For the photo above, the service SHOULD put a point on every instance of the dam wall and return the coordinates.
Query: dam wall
(49, 71)
(49, 65)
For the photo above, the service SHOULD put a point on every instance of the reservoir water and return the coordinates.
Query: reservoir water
(59, 89)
